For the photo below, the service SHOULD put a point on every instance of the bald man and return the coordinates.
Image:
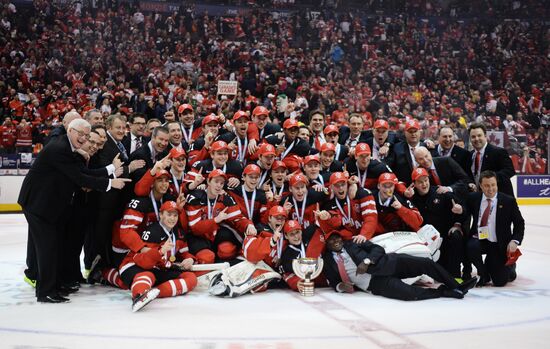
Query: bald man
(62, 129)
(445, 173)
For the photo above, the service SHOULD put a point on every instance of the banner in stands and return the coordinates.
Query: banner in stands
(533, 187)
(8, 164)
(227, 87)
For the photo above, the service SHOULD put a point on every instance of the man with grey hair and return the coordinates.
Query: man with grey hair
(46, 198)
(62, 129)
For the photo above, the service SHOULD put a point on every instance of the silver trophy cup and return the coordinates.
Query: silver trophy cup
(307, 269)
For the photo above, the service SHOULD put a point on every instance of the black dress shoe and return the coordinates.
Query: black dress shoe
(513, 274)
(52, 299)
(483, 281)
(448, 293)
(68, 289)
(467, 285)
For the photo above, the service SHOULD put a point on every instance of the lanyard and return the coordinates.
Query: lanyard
(302, 250)
(224, 168)
(363, 177)
(249, 205)
(298, 213)
(275, 189)
(338, 149)
(155, 206)
(262, 178)
(320, 180)
(280, 247)
(285, 153)
(211, 208)
(176, 182)
(385, 203)
(348, 217)
(241, 148)
(172, 235)
(186, 135)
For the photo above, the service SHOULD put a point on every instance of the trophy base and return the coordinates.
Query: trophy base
(307, 291)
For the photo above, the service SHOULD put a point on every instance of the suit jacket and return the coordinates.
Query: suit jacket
(460, 155)
(451, 175)
(508, 213)
(382, 264)
(127, 142)
(345, 133)
(144, 153)
(497, 159)
(49, 187)
(392, 140)
(402, 161)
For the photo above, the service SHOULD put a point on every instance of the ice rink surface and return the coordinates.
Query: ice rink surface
(516, 316)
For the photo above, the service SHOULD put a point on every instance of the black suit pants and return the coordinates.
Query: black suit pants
(494, 265)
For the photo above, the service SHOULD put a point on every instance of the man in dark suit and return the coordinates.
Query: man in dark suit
(135, 139)
(448, 148)
(445, 173)
(403, 161)
(46, 197)
(61, 130)
(111, 204)
(350, 136)
(366, 266)
(493, 213)
(151, 152)
(382, 141)
(486, 156)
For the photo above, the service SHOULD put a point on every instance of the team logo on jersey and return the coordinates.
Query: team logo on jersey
(436, 201)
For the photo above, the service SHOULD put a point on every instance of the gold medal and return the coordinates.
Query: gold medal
(172, 258)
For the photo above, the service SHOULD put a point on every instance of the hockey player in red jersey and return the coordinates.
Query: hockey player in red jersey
(352, 209)
(162, 263)
(308, 242)
(268, 245)
(253, 202)
(278, 185)
(266, 157)
(303, 201)
(312, 170)
(365, 168)
(215, 221)
(176, 161)
(394, 211)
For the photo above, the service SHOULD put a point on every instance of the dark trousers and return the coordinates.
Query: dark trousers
(72, 242)
(45, 244)
(452, 254)
(407, 267)
(103, 236)
(494, 265)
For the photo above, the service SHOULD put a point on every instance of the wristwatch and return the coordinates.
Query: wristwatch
(367, 261)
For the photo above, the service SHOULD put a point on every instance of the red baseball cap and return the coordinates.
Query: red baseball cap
(298, 178)
(362, 148)
(240, 114)
(331, 129)
(176, 153)
(290, 123)
(217, 173)
(338, 177)
(311, 158)
(184, 107)
(266, 149)
(292, 226)
(387, 177)
(328, 147)
(293, 162)
(419, 172)
(169, 206)
(413, 123)
(210, 118)
(277, 211)
(380, 123)
(260, 110)
(252, 169)
(219, 145)
(162, 173)
(278, 164)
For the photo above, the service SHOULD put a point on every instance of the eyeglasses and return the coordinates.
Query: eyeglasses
(82, 134)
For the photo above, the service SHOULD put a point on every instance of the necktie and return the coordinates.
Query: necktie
(123, 153)
(138, 143)
(478, 158)
(342, 269)
(486, 213)
(434, 177)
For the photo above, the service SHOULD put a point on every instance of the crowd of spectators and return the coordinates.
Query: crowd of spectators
(113, 57)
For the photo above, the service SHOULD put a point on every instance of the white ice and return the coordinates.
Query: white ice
(516, 316)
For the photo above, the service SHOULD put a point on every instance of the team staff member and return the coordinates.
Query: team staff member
(493, 213)
(46, 196)
(444, 212)
(366, 266)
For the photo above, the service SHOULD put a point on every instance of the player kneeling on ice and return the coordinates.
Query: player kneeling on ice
(366, 266)
(163, 263)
